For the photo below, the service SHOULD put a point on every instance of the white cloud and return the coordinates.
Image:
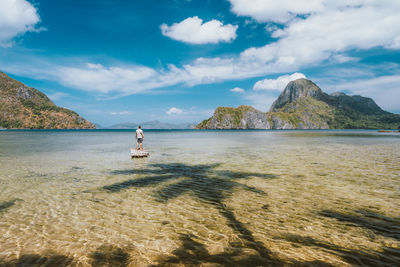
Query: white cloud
(277, 84)
(330, 29)
(237, 90)
(16, 18)
(174, 111)
(122, 79)
(339, 58)
(193, 30)
(120, 113)
(260, 100)
(96, 77)
(57, 96)
(273, 10)
(326, 34)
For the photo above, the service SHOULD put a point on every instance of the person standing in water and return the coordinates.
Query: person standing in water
(139, 138)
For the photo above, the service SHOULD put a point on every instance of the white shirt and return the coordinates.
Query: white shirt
(139, 133)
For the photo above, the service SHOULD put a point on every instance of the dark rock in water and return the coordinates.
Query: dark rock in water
(165, 222)
(265, 207)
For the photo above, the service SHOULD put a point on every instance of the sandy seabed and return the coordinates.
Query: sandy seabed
(203, 198)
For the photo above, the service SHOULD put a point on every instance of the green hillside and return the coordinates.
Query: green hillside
(23, 107)
(303, 105)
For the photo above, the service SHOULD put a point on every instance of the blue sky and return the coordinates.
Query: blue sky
(177, 60)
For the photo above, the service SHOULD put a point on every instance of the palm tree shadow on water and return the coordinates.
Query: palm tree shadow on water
(209, 186)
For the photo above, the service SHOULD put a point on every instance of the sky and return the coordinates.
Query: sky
(116, 61)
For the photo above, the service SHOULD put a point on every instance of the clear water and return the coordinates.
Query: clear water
(211, 198)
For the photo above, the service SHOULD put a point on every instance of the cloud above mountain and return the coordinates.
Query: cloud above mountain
(277, 84)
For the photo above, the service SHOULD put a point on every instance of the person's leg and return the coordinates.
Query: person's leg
(137, 145)
(141, 145)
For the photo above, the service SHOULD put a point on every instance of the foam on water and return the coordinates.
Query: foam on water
(202, 198)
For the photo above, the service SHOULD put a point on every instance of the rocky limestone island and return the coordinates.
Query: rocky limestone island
(23, 107)
(303, 105)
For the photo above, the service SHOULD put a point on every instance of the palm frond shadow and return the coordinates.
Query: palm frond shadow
(193, 253)
(49, 259)
(386, 257)
(208, 185)
(378, 223)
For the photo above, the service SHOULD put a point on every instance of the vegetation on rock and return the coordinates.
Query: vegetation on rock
(242, 117)
(23, 107)
(303, 105)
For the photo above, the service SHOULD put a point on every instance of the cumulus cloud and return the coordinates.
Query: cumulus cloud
(96, 77)
(273, 10)
(192, 30)
(277, 84)
(188, 113)
(123, 79)
(325, 33)
(120, 113)
(237, 90)
(16, 18)
(333, 27)
(174, 111)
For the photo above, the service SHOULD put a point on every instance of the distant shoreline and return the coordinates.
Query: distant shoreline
(198, 130)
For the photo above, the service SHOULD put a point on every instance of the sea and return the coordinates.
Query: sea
(202, 198)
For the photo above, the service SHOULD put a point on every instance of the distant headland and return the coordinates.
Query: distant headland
(303, 105)
(149, 125)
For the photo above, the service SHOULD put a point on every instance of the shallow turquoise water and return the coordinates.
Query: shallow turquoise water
(201, 198)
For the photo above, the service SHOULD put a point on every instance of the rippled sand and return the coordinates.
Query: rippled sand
(240, 198)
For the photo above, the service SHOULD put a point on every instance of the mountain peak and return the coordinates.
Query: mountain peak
(296, 89)
(303, 105)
